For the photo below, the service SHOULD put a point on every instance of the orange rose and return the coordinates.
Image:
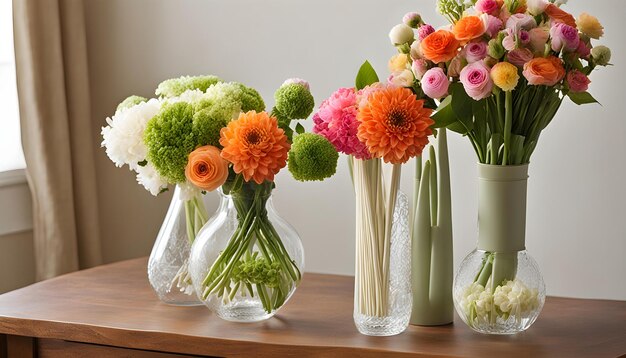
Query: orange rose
(556, 14)
(206, 169)
(544, 71)
(468, 28)
(440, 46)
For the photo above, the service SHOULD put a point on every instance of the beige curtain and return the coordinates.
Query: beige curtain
(53, 90)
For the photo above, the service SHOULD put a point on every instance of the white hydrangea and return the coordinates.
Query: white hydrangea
(188, 191)
(516, 298)
(123, 136)
(148, 176)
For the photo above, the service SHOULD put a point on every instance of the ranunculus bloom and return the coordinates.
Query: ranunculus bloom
(519, 56)
(424, 31)
(412, 19)
(519, 22)
(415, 51)
(523, 37)
(435, 83)
(577, 81)
(536, 7)
(206, 169)
(475, 51)
(468, 28)
(398, 62)
(505, 76)
(564, 37)
(544, 71)
(491, 7)
(557, 15)
(419, 68)
(492, 24)
(403, 78)
(476, 80)
(590, 26)
(440, 46)
(401, 34)
(538, 38)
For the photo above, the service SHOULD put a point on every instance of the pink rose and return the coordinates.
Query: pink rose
(419, 68)
(435, 83)
(520, 56)
(583, 50)
(564, 37)
(475, 51)
(577, 81)
(424, 31)
(493, 25)
(538, 38)
(487, 6)
(476, 80)
(520, 22)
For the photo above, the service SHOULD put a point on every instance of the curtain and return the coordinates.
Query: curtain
(53, 91)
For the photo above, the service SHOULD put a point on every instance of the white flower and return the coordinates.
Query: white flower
(560, 2)
(296, 80)
(148, 176)
(536, 7)
(516, 298)
(401, 34)
(123, 137)
(189, 96)
(402, 78)
(188, 191)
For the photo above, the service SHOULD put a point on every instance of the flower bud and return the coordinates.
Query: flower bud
(412, 19)
(601, 55)
(419, 68)
(401, 34)
(495, 49)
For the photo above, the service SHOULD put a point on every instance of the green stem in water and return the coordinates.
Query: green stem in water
(508, 122)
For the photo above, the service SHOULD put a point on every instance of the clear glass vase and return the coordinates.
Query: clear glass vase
(498, 288)
(247, 261)
(383, 307)
(168, 262)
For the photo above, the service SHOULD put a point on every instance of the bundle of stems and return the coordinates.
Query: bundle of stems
(375, 204)
(195, 218)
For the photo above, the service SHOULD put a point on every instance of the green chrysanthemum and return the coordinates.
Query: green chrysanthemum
(312, 157)
(294, 101)
(130, 101)
(170, 138)
(250, 99)
(176, 86)
(207, 124)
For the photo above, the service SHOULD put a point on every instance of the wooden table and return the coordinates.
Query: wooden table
(110, 311)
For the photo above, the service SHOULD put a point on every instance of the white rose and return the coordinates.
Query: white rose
(536, 7)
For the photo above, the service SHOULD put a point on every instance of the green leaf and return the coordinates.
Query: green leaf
(458, 128)
(366, 76)
(444, 115)
(581, 97)
(299, 128)
(461, 102)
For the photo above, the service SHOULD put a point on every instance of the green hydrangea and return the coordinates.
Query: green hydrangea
(170, 138)
(130, 101)
(257, 270)
(250, 99)
(312, 157)
(234, 97)
(176, 86)
(207, 124)
(294, 101)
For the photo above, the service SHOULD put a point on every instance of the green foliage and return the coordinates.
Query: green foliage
(453, 9)
(207, 124)
(366, 76)
(294, 101)
(170, 138)
(176, 86)
(581, 97)
(312, 157)
(130, 101)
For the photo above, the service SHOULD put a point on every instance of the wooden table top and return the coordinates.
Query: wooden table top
(114, 305)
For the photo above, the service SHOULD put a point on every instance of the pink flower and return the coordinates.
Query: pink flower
(435, 83)
(424, 31)
(493, 25)
(523, 37)
(336, 121)
(583, 50)
(487, 6)
(509, 42)
(475, 51)
(403, 78)
(412, 19)
(564, 37)
(577, 81)
(476, 80)
(520, 22)
(419, 68)
(520, 56)
(538, 39)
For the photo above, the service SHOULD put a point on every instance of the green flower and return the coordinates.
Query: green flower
(294, 101)
(233, 97)
(312, 157)
(170, 138)
(207, 124)
(176, 86)
(250, 99)
(130, 101)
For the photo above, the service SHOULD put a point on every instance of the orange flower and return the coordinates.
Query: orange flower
(440, 46)
(544, 71)
(556, 14)
(255, 145)
(206, 169)
(394, 125)
(468, 28)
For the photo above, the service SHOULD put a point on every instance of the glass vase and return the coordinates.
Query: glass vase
(247, 261)
(168, 263)
(498, 288)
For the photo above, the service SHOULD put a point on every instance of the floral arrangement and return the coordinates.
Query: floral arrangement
(202, 134)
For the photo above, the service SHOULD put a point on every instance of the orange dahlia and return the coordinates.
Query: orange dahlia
(394, 125)
(255, 145)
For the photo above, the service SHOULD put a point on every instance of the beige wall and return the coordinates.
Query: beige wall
(17, 263)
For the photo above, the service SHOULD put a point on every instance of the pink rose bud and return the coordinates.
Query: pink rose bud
(424, 31)
(583, 50)
(538, 39)
(520, 22)
(475, 51)
(476, 80)
(564, 37)
(402, 78)
(577, 81)
(419, 68)
(493, 25)
(490, 7)
(412, 19)
(435, 83)
(520, 56)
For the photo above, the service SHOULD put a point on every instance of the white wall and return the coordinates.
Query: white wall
(576, 227)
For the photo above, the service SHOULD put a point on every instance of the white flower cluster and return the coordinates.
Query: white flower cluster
(511, 299)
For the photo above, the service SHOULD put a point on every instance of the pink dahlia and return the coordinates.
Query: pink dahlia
(336, 121)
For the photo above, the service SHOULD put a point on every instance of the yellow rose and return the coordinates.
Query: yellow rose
(590, 26)
(505, 75)
(398, 62)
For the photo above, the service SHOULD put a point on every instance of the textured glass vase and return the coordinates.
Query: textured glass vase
(498, 288)
(247, 261)
(386, 310)
(168, 262)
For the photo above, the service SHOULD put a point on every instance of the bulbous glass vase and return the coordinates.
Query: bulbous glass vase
(247, 261)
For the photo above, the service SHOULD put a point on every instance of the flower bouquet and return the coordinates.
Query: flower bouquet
(506, 66)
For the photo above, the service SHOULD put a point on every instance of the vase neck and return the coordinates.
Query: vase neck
(502, 207)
